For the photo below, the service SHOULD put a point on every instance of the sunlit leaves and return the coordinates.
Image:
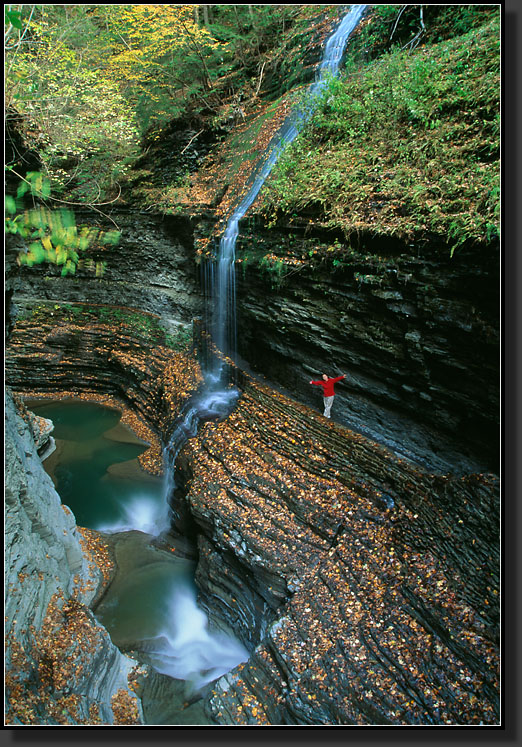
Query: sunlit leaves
(52, 235)
(158, 53)
(73, 116)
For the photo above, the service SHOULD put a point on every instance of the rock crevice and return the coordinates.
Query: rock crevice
(61, 666)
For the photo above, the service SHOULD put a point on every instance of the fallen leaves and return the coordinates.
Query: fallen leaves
(376, 627)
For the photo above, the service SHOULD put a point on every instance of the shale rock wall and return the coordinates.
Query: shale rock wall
(366, 588)
(61, 666)
(416, 333)
(151, 269)
(364, 580)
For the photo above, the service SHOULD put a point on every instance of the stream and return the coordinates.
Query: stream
(96, 473)
(151, 606)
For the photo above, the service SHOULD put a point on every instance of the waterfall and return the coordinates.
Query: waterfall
(223, 291)
(185, 648)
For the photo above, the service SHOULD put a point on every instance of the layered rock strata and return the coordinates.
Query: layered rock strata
(151, 269)
(114, 355)
(367, 588)
(61, 666)
(415, 332)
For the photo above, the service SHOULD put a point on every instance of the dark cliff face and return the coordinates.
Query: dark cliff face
(417, 337)
(344, 569)
(416, 333)
(151, 269)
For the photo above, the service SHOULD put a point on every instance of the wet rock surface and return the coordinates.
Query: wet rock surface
(78, 353)
(364, 584)
(416, 334)
(365, 587)
(357, 612)
(61, 667)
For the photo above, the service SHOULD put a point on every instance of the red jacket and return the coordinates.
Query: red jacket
(328, 385)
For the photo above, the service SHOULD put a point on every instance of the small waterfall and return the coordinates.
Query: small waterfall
(222, 290)
(185, 649)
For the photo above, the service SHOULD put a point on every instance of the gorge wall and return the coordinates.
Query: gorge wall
(365, 587)
(151, 268)
(363, 579)
(61, 666)
(415, 331)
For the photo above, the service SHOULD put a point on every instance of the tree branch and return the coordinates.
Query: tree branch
(189, 142)
(79, 204)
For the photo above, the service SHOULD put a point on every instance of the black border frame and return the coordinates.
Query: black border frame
(510, 732)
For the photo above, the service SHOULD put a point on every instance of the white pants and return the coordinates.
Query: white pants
(328, 401)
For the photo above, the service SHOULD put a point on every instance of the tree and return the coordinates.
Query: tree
(160, 57)
(77, 119)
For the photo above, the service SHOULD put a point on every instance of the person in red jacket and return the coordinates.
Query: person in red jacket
(328, 391)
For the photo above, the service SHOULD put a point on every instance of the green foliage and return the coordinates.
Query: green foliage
(395, 27)
(13, 18)
(181, 340)
(408, 145)
(90, 80)
(51, 235)
(275, 267)
(75, 117)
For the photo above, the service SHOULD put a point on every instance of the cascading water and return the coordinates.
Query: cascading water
(185, 649)
(222, 281)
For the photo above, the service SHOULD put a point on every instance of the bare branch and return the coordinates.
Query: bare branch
(189, 142)
(260, 78)
(418, 36)
(397, 21)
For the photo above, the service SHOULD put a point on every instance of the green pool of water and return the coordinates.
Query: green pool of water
(95, 468)
(151, 605)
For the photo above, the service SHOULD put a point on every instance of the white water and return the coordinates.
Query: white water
(223, 283)
(184, 648)
(152, 516)
(142, 513)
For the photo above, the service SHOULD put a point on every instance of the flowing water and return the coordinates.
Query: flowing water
(153, 605)
(221, 278)
(95, 468)
(96, 474)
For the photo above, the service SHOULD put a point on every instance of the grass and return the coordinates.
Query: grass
(407, 146)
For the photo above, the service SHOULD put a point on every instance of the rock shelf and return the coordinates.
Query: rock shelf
(365, 587)
(357, 613)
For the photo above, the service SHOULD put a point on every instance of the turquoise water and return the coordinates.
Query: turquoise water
(151, 604)
(81, 466)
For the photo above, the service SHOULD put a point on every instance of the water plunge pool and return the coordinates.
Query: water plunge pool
(150, 606)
